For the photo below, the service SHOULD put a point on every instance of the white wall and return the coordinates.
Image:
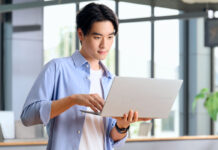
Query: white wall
(26, 56)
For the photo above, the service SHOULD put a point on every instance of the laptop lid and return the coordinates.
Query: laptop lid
(152, 98)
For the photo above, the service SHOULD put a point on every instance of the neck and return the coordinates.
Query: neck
(94, 65)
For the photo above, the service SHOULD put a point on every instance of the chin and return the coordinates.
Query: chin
(102, 57)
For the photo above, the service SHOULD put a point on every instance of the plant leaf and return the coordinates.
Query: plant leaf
(194, 105)
(204, 90)
(209, 104)
(199, 96)
(215, 103)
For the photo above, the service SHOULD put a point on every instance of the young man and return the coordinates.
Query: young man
(80, 82)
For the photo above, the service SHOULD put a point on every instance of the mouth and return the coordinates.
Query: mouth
(102, 52)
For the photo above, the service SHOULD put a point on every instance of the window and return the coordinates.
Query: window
(134, 49)
(137, 10)
(159, 11)
(216, 14)
(59, 31)
(167, 67)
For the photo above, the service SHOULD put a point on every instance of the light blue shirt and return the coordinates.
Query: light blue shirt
(61, 78)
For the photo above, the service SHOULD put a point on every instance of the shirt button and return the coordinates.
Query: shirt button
(87, 66)
(78, 131)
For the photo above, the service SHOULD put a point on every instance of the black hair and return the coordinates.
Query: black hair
(92, 13)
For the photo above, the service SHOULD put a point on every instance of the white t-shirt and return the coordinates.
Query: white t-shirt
(93, 129)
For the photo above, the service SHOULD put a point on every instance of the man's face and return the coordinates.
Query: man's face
(97, 43)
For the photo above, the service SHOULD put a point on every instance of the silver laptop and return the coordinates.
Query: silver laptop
(152, 98)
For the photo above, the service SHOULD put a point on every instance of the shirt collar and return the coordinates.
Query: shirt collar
(79, 60)
(107, 73)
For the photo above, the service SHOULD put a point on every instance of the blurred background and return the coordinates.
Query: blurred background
(170, 39)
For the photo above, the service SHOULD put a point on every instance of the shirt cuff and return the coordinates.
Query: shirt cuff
(45, 111)
(120, 142)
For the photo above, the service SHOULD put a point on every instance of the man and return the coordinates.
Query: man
(80, 82)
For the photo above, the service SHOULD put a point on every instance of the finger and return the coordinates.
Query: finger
(130, 116)
(93, 107)
(125, 117)
(95, 104)
(135, 118)
(99, 99)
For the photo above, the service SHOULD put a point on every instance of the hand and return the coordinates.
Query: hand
(94, 101)
(127, 119)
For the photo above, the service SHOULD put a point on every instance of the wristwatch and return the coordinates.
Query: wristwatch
(121, 130)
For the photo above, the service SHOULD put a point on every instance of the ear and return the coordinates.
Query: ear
(80, 34)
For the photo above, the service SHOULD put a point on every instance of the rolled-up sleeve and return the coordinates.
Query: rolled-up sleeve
(37, 107)
(117, 143)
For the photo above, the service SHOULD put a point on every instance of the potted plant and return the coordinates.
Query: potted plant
(210, 102)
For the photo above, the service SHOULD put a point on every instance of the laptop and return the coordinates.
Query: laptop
(151, 97)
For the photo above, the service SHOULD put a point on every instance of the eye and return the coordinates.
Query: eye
(97, 37)
(110, 37)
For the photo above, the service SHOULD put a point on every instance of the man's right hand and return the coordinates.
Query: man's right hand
(94, 101)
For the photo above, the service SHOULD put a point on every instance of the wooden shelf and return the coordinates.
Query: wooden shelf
(24, 142)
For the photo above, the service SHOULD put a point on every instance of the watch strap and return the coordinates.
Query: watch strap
(121, 130)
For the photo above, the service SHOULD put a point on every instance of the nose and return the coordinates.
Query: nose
(103, 43)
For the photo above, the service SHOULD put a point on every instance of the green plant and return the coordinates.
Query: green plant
(210, 102)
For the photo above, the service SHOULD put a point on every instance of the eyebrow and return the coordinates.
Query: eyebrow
(95, 33)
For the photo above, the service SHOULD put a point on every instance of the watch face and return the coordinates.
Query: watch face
(121, 130)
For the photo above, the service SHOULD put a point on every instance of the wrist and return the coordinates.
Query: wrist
(73, 99)
(121, 125)
(121, 130)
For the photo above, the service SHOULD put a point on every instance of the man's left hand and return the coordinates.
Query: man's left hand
(127, 119)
